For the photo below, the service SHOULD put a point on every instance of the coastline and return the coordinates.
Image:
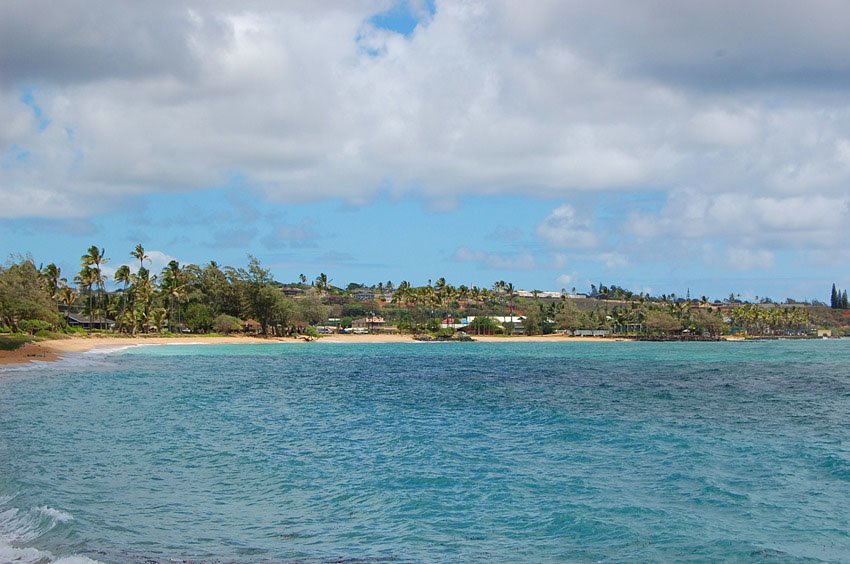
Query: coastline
(53, 349)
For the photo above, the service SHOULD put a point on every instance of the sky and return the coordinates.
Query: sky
(665, 146)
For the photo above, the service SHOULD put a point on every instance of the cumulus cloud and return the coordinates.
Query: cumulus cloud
(745, 126)
(566, 279)
(155, 263)
(788, 222)
(563, 228)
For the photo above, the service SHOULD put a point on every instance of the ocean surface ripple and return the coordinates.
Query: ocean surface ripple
(445, 452)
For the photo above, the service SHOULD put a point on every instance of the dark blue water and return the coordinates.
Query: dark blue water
(443, 452)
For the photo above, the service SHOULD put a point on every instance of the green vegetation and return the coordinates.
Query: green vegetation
(838, 299)
(39, 301)
(14, 342)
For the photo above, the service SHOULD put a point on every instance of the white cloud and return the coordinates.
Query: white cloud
(566, 279)
(155, 263)
(788, 222)
(563, 228)
(308, 101)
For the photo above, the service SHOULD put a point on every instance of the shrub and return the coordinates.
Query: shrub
(33, 326)
(226, 324)
(199, 317)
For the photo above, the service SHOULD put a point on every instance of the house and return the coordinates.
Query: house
(591, 333)
(292, 291)
(371, 323)
(824, 332)
(84, 322)
(513, 323)
(539, 294)
(251, 326)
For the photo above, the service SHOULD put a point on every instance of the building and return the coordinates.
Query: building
(84, 322)
(371, 323)
(251, 326)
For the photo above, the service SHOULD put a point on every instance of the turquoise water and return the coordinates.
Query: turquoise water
(430, 452)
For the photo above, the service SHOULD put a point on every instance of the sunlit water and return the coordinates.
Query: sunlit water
(426, 452)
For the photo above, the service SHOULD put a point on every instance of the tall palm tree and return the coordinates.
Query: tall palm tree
(86, 279)
(322, 283)
(510, 293)
(143, 291)
(67, 296)
(95, 258)
(139, 254)
(172, 284)
(53, 279)
(123, 275)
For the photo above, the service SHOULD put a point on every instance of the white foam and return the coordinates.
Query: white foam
(75, 559)
(117, 348)
(19, 528)
(21, 555)
(56, 514)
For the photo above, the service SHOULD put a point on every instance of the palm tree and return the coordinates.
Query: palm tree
(172, 284)
(67, 296)
(123, 275)
(95, 258)
(143, 290)
(139, 254)
(157, 319)
(510, 293)
(322, 283)
(53, 278)
(86, 278)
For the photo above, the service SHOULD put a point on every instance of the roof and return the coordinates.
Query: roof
(79, 318)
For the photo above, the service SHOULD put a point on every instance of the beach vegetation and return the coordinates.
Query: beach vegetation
(189, 298)
(25, 296)
(14, 342)
(226, 324)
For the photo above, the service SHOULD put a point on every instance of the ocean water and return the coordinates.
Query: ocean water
(430, 452)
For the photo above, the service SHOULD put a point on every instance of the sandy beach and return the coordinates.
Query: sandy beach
(52, 350)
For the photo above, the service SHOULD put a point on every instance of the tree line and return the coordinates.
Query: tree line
(214, 298)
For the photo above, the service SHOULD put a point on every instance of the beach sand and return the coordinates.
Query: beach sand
(52, 350)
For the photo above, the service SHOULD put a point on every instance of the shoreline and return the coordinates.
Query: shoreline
(52, 350)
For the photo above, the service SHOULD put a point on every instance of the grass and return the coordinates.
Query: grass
(14, 342)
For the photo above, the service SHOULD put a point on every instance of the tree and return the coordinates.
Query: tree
(53, 279)
(310, 310)
(94, 260)
(139, 254)
(709, 322)
(322, 283)
(86, 278)
(263, 304)
(833, 299)
(225, 324)
(199, 317)
(123, 275)
(658, 321)
(173, 286)
(23, 296)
